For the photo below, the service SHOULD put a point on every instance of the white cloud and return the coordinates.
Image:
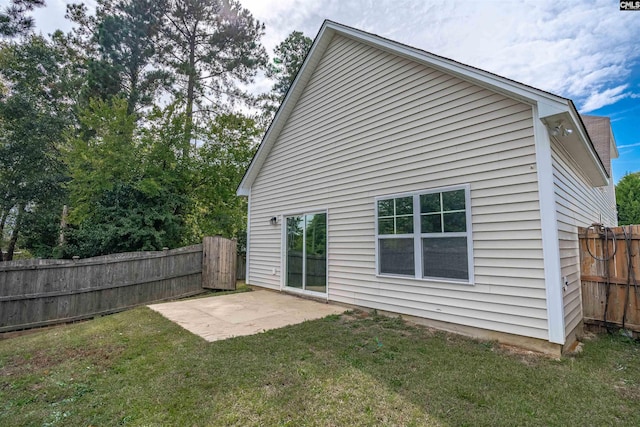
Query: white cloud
(51, 18)
(281, 17)
(637, 144)
(606, 97)
(584, 51)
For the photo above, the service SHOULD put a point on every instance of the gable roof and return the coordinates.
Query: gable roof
(552, 109)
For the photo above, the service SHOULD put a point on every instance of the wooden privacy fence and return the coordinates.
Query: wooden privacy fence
(44, 292)
(219, 263)
(241, 267)
(610, 275)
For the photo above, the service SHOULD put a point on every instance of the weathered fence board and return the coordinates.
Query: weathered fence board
(610, 275)
(219, 263)
(42, 292)
(241, 267)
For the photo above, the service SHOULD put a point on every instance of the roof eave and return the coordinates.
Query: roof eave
(614, 146)
(578, 144)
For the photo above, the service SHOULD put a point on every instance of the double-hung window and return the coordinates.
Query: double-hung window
(425, 235)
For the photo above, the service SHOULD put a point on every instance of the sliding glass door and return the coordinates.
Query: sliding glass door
(295, 251)
(306, 261)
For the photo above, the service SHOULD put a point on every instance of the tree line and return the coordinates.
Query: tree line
(132, 130)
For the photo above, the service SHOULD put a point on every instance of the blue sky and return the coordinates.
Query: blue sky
(625, 121)
(588, 51)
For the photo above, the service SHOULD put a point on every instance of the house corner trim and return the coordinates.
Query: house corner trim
(248, 239)
(549, 226)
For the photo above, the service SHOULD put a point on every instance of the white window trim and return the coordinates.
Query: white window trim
(283, 253)
(417, 236)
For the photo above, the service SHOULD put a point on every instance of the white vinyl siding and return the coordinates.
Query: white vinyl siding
(578, 204)
(369, 124)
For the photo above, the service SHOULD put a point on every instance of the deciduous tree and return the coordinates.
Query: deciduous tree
(129, 185)
(628, 199)
(222, 159)
(33, 116)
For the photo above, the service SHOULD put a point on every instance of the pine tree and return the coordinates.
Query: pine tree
(14, 21)
(212, 46)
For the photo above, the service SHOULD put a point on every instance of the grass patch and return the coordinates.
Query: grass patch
(137, 368)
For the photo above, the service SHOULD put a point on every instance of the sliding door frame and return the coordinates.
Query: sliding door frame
(283, 253)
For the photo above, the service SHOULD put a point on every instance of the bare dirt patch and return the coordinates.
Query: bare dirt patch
(47, 359)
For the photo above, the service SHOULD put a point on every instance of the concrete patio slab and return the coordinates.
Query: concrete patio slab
(246, 313)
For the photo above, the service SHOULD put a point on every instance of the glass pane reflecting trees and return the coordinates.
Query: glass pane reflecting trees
(295, 241)
(307, 252)
(316, 253)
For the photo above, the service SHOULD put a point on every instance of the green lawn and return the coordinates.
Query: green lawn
(136, 368)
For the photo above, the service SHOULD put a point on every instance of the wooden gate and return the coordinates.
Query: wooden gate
(610, 275)
(219, 263)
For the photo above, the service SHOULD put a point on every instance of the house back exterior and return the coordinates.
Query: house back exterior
(401, 181)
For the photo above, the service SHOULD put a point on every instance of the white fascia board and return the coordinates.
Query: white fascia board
(549, 225)
(586, 140)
